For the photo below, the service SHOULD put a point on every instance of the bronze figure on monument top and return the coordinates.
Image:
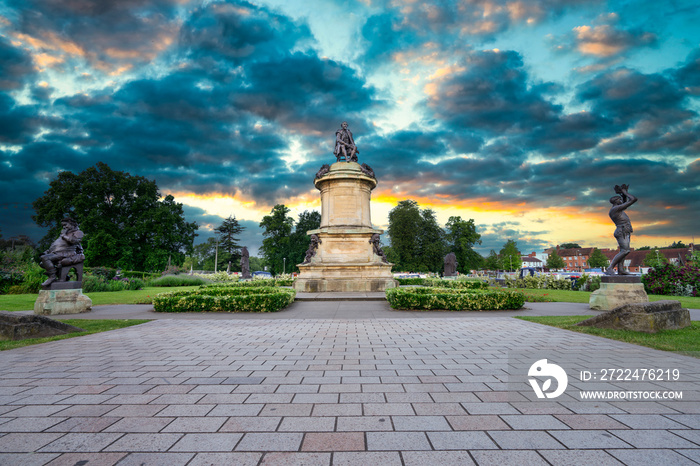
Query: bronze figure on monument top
(345, 144)
(623, 232)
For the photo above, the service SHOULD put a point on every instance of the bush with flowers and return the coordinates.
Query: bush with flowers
(675, 280)
(453, 299)
(225, 298)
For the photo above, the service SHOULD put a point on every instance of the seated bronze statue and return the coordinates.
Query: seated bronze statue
(65, 252)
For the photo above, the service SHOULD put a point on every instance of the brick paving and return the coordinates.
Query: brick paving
(403, 391)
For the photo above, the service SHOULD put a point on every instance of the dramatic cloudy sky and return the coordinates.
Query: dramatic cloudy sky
(519, 114)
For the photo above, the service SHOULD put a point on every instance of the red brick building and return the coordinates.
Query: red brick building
(635, 259)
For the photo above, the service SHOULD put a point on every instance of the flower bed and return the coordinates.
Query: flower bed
(442, 283)
(453, 299)
(225, 299)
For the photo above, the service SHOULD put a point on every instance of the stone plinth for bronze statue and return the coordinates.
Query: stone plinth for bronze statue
(19, 327)
(617, 290)
(643, 317)
(62, 300)
(345, 259)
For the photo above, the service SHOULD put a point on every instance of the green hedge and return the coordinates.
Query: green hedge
(442, 283)
(225, 299)
(453, 299)
(177, 280)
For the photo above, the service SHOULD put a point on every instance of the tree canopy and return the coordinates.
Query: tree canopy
(461, 238)
(597, 259)
(229, 249)
(570, 246)
(418, 243)
(654, 259)
(554, 261)
(510, 257)
(126, 224)
(308, 220)
(276, 244)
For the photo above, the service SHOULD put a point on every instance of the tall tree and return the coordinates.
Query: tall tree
(554, 261)
(126, 224)
(655, 259)
(597, 259)
(203, 254)
(510, 256)
(276, 245)
(229, 249)
(404, 223)
(308, 220)
(461, 238)
(432, 243)
(492, 261)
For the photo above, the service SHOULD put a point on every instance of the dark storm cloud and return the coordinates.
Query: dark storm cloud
(688, 75)
(108, 33)
(492, 94)
(406, 27)
(16, 66)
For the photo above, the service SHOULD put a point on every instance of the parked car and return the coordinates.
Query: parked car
(261, 274)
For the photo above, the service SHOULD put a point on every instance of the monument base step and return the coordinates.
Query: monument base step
(340, 296)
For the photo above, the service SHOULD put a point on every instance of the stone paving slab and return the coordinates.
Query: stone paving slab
(404, 391)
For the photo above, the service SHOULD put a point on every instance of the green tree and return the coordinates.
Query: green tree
(492, 261)
(461, 238)
(256, 264)
(677, 245)
(126, 224)
(597, 259)
(570, 246)
(229, 249)
(655, 259)
(404, 224)
(511, 258)
(431, 243)
(554, 261)
(276, 245)
(308, 220)
(203, 255)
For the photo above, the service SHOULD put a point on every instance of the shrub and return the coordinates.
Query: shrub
(96, 283)
(225, 299)
(32, 278)
(453, 299)
(670, 279)
(178, 280)
(219, 277)
(104, 272)
(410, 281)
(145, 276)
(441, 283)
(544, 282)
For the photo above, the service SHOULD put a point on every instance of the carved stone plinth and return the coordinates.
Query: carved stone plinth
(19, 327)
(617, 290)
(643, 317)
(55, 302)
(345, 259)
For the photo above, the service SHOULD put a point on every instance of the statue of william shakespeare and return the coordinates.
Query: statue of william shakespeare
(623, 232)
(345, 145)
(66, 251)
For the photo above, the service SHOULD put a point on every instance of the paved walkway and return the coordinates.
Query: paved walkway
(413, 389)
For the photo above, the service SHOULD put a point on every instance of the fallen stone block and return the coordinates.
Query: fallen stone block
(643, 317)
(19, 327)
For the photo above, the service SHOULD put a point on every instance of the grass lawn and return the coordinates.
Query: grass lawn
(568, 296)
(25, 302)
(685, 341)
(90, 326)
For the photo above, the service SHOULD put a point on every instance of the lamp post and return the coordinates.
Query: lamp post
(284, 265)
(216, 255)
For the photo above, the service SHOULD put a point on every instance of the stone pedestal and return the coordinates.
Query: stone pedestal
(345, 259)
(617, 290)
(56, 301)
(643, 317)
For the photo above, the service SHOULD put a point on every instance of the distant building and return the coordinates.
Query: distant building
(531, 261)
(634, 262)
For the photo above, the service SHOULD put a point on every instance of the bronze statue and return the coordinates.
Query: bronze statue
(345, 144)
(450, 265)
(367, 170)
(66, 251)
(245, 264)
(311, 252)
(325, 168)
(623, 232)
(376, 247)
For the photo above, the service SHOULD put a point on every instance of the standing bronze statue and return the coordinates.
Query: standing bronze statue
(66, 251)
(345, 144)
(623, 232)
(245, 263)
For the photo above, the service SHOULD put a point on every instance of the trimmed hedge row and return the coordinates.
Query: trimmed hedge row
(452, 299)
(441, 283)
(225, 299)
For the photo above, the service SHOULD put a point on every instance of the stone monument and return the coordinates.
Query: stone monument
(60, 295)
(245, 264)
(345, 252)
(450, 269)
(621, 288)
